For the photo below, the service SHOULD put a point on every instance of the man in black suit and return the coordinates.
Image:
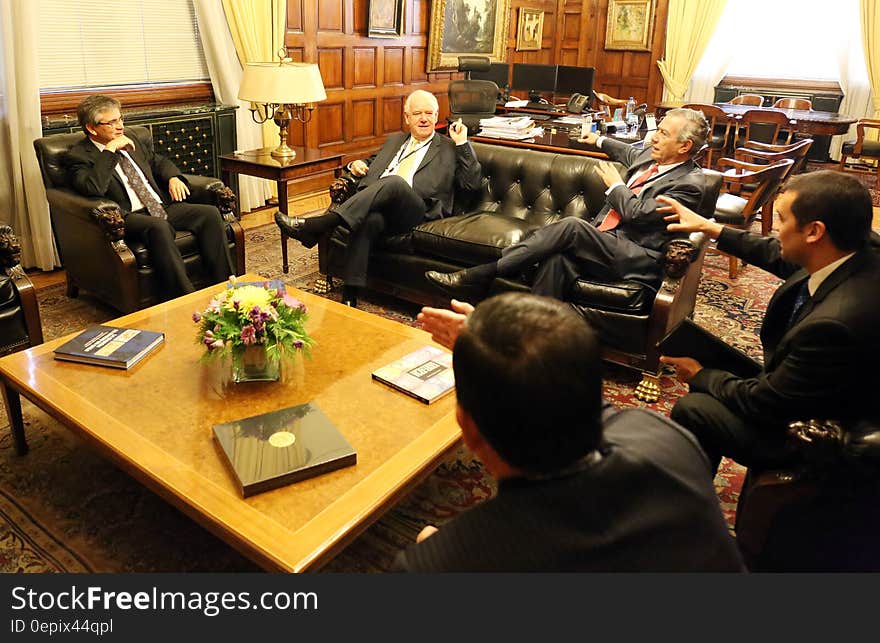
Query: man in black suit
(581, 486)
(413, 177)
(627, 238)
(820, 333)
(112, 162)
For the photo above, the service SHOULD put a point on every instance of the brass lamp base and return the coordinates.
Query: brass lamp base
(283, 116)
(283, 151)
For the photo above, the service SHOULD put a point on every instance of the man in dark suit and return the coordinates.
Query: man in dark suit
(412, 178)
(627, 238)
(820, 333)
(149, 189)
(581, 486)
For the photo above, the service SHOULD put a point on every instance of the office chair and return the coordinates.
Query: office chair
(472, 100)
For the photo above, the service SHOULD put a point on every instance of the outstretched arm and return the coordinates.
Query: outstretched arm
(445, 325)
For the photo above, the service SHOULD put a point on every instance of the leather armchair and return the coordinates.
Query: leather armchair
(523, 190)
(820, 515)
(90, 233)
(20, 325)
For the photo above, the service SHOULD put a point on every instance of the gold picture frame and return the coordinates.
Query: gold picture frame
(529, 30)
(385, 19)
(630, 25)
(458, 28)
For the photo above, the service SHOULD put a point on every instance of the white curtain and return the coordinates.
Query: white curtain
(225, 70)
(854, 80)
(23, 202)
(713, 65)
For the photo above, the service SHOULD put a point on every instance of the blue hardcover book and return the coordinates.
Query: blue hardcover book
(110, 346)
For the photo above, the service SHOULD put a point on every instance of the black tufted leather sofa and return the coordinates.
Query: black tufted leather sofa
(20, 325)
(89, 233)
(523, 190)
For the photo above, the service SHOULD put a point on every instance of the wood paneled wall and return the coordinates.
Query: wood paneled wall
(367, 79)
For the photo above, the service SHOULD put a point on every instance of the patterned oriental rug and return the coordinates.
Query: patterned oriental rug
(65, 509)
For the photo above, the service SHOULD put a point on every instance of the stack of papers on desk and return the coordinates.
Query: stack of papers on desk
(515, 128)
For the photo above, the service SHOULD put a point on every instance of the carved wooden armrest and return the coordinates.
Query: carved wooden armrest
(10, 252)
(224, 199)
(343, 187)
(110, 219)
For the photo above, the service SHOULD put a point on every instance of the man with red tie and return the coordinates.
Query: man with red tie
(626, 239)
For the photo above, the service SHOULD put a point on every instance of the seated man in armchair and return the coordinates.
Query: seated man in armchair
(410, 179)
(150, 191)
(627, 238)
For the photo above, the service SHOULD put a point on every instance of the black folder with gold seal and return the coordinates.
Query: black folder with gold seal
(281, 447)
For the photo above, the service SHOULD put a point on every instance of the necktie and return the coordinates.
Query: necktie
(407, 159)
(612, 219)
(153, 206)
(800, 301)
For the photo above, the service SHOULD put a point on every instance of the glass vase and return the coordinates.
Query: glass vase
(254, 364)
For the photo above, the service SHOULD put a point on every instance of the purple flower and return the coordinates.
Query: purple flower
(248, 335)
(215, 344)
(298, 344)
(197, 317)
(293, 302)
(236, 304)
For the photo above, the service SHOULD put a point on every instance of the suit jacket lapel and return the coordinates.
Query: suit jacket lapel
(433, 148)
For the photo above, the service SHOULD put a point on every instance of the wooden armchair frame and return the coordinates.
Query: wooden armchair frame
(794, 103)
(856, 149)
(755, 100)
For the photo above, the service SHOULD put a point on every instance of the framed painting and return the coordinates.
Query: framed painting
(466, 28)
(529, 30)
(385, 19)
(630, 25)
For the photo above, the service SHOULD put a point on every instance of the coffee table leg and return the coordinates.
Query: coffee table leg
(16, 422)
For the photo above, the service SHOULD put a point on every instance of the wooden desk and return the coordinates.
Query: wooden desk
(803, 121)
(260, 163)
(557, 142)
(154, 421)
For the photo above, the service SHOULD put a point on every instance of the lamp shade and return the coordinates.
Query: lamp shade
(281, 83)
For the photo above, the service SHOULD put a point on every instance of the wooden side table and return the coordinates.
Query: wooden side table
(260, 163)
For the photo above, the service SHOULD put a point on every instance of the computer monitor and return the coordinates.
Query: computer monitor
(499, 73)
(575, 80)
(534, 78)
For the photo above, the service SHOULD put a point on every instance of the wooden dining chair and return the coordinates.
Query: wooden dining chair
(767, 154)
(720, 127)
(755, 100)
(764, 126)
(746, 189)
(861, 148)
(793, 103)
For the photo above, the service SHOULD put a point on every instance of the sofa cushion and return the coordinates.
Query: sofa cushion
(620, 296)
(470, 239)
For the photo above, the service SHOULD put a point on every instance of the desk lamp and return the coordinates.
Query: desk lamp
(283, 91)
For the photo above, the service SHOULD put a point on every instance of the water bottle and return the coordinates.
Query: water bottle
(632, 119)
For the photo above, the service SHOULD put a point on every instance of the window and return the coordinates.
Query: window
(123, 42)
(787, 39)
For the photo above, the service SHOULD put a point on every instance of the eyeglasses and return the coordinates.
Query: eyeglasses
(113, 123)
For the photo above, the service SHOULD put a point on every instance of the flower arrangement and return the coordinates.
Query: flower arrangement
(253, 315)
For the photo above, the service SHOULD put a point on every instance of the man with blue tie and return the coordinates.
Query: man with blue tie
(151, 192)
(627, 238)
(820, 332)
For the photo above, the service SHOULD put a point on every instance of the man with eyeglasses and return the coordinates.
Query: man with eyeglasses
(111, 162)
(412, 178)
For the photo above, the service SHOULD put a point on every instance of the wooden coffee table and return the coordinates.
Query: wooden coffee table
(154, 421)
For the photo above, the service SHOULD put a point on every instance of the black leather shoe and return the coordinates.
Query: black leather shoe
(295, 228)
(349, 297)
(458, 284)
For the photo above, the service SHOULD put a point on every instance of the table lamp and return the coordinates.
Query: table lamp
(283, 91)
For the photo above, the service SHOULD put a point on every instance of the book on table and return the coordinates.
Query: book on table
(425, 374)
(691, 340)
(110, 346)
(281, 447)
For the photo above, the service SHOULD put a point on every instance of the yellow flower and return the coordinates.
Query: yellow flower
(248, 297)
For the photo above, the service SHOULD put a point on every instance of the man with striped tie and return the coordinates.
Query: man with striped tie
(626, 239)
